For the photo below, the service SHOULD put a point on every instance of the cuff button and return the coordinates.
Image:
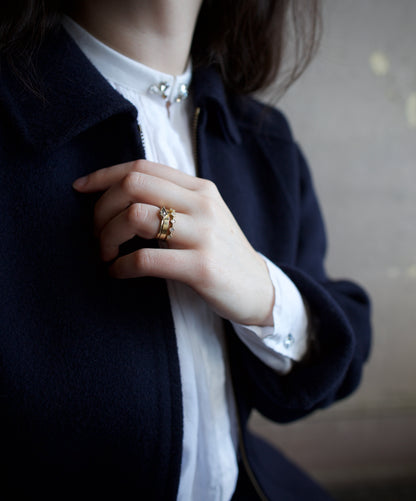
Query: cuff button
(288, 341)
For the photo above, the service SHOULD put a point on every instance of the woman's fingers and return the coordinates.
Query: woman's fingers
(208, 250)
(136, 220)
(144, 221)
(165, 263)
(103, 179)
(242, 293)
(141, 188)
(169, 173)
(133, 195)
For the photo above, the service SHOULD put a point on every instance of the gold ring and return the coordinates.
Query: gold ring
(172, 221)
(167, 222)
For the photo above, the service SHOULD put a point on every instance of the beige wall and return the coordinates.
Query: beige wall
(354, 113)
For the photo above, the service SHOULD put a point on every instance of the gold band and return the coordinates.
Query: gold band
(167, 222)
(172, 221)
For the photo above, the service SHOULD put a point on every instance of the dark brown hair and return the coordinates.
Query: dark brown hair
(254, 42)
(251, 42)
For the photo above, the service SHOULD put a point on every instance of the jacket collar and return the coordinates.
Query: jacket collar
(68, 103)
(75, 97)
(209, 91)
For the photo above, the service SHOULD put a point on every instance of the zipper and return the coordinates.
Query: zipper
(243, 460)
(242, 448)
(195, 138)
(246, 464)
(141, 139)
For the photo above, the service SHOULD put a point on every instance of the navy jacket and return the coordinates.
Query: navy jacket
(90, 394)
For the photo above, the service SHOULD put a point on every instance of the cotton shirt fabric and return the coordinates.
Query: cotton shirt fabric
(209, 466)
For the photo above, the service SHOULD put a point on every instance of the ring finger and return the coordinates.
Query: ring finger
(140, 188)
(144, 221)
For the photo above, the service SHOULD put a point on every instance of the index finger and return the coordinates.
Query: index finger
(102, 179)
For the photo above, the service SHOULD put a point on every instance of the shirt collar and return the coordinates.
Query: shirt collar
(126, 72)
(65, 75)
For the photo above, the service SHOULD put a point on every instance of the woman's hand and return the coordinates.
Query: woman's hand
(208, 250)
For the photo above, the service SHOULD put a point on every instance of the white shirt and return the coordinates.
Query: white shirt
(209, 461)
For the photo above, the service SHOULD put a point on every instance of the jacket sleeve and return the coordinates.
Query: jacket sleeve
(340, 313)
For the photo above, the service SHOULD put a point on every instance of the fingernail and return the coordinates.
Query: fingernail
(80, 182)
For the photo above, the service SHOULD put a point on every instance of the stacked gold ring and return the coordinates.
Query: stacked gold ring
(167, 223)
(172, 221)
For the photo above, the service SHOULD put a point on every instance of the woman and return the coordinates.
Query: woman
(162, 254)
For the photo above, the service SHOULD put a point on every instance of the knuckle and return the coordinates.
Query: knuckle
(130, 182)
(142, 260)
(208, 198)
(208, 207)
(209, 188)
(134, 214)
(139, 218)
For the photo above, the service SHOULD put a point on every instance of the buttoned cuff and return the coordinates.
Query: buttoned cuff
(287, 340)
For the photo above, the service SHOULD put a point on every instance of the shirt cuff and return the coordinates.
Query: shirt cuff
(287, 340)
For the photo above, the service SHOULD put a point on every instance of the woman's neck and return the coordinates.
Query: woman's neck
(158, 33)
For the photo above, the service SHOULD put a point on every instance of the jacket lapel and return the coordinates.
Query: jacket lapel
(70, 96)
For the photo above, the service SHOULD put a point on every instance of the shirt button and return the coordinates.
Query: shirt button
(288, 341)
